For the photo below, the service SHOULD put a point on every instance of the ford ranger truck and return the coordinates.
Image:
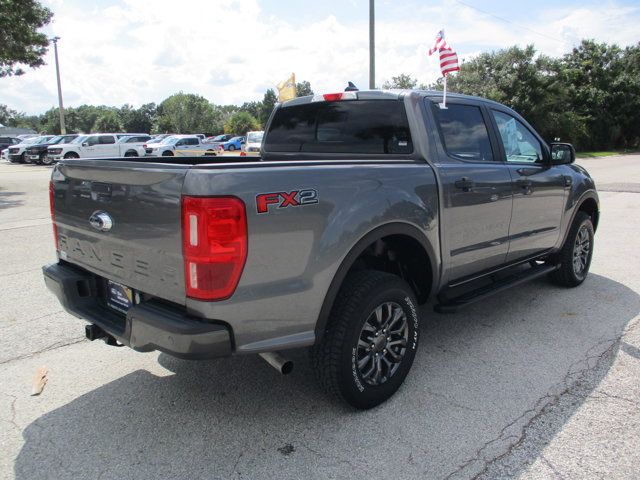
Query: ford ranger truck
(362, 207)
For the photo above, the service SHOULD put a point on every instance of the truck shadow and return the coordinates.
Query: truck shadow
(10, 199)
(476, 372)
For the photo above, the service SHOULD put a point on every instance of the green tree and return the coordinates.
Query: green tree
(253, 108)
(108, 121)
(303, 89)
(268, 102)
(7, 115)
(186, 113)
(401, 81)
(240, 123)
(138, 120)
(20, 41)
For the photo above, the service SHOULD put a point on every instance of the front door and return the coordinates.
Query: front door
(538, 189)
(476, 188)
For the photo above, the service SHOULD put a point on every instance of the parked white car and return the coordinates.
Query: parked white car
(99, 145)
(17, 153)
(253, 142)
(180, 146)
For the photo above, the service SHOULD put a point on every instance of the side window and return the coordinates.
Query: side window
(193, 141)
(464, 133)
(180, 143)
(107, 139)
(92, 141)
(520, 145)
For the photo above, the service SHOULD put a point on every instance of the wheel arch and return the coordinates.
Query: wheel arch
(395, 234)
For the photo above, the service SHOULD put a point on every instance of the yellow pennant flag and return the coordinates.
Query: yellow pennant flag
(287, 89)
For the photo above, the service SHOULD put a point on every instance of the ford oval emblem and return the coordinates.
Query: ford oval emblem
(101, 221)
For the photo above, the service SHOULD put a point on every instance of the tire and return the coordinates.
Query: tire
(71, 155)
(167, 153)
(26, 160)
(46, 160)
(575, 256)
(23, 158)
(231, 148)
(130, 154)
(353, 320)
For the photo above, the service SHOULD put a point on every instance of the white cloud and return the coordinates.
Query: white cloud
(231, 51)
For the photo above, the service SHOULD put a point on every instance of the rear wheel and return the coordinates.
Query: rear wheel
(232, 148)
(576, 253)
(370, 341)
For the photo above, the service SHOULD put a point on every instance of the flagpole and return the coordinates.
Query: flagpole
(444, 96)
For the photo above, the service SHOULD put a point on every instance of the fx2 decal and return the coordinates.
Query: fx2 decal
(295, 198)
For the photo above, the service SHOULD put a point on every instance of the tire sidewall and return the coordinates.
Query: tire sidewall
(353, 387)
(585, 222)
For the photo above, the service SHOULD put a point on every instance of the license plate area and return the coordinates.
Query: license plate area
(120, 297)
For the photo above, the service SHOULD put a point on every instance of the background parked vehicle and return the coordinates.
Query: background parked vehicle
(6, 142)
(254, 142)
(38, 153)
(99, 145)
(17, 153)
(180, 145)
(218, 140)
(234, 143)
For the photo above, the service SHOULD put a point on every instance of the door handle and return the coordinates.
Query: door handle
(465, 183)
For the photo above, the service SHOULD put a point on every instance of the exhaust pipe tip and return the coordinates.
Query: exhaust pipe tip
(277, 361)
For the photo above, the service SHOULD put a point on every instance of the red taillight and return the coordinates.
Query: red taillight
(53, 214)
(214, 245)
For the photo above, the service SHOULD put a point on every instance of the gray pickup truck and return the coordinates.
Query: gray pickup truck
(363, 206)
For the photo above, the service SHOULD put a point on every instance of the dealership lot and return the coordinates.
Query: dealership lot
(537, 382)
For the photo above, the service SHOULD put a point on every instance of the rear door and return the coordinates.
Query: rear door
(538, 187)
(476, 187)
(107, 146)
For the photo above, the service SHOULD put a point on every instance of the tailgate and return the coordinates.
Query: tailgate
(143, 247)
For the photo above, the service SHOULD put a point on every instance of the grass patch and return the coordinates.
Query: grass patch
(608, 153)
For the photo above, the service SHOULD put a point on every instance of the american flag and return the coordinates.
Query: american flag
(448, 58)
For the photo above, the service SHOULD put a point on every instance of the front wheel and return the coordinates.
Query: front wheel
(232, 148)
(167, 153)
(576, 253)
(370, 341)
(130, 154)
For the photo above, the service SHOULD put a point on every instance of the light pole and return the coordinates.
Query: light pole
(372, 46)
(63, 129)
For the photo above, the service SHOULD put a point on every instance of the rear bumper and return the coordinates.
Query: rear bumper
(151, 325)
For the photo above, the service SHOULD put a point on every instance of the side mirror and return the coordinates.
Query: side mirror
(562, 153)
(85, 144)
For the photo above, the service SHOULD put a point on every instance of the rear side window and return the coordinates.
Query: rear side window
(107, 139)
(357, 126)
(464, 133)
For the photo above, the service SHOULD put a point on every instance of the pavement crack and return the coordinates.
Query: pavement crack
(48, 348)
(571, 380)
(12, 410)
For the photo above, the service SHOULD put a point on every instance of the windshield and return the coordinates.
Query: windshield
(34, 140)
(255, 137)
(54, 140)
(169, 140)
(80, 139)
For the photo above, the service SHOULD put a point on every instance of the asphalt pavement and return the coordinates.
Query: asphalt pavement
(537, 382)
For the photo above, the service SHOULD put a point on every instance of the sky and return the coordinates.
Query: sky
(114, 52)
